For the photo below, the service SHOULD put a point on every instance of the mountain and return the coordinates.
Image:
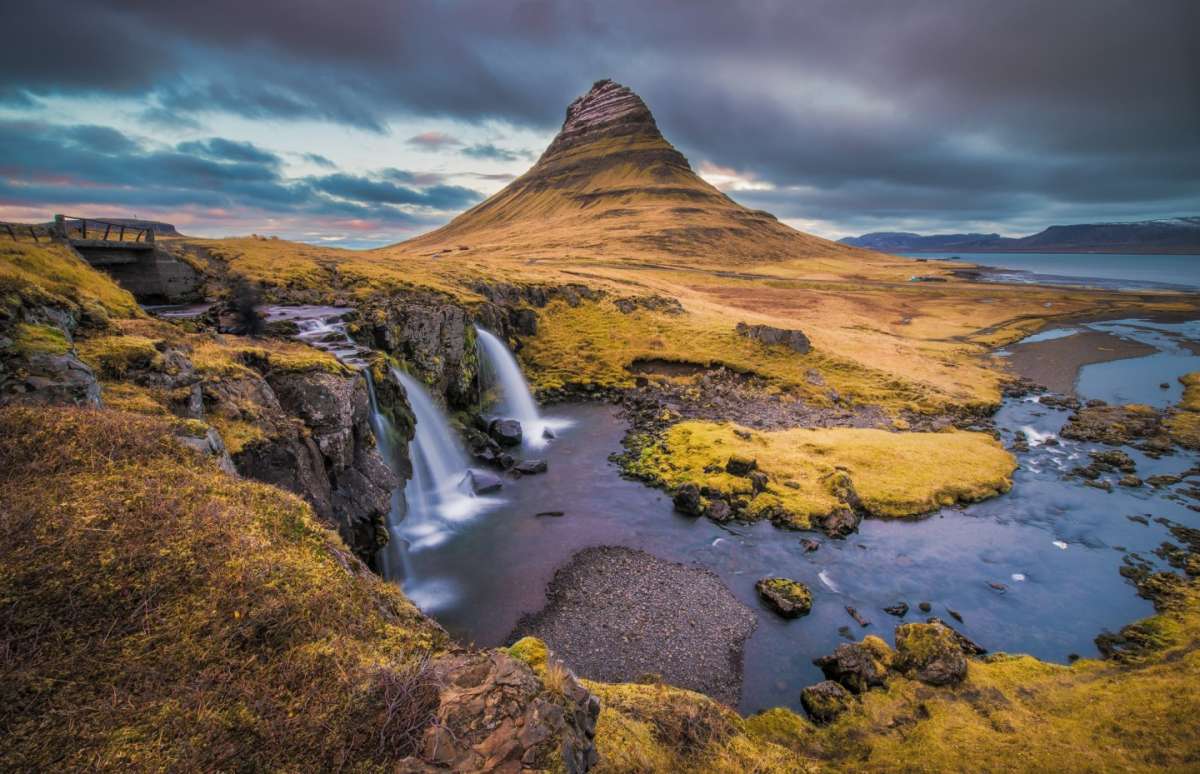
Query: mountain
(1170, 235)
(611, 186)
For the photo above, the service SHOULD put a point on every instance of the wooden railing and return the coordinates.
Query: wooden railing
(72, 227)
(18, 231)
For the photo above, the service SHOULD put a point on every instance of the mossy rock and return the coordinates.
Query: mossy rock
(789, 598)
(739, 465)
(930, 652)
(825, 701)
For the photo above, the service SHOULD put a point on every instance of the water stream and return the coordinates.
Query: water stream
(1052, 544)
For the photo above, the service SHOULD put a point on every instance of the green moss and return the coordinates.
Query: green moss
(112, 357)
(532, 651)
(34, 339)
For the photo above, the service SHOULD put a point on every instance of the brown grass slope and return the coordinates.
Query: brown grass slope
(610, 186)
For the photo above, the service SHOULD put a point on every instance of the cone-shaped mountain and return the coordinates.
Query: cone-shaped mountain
(611, 186)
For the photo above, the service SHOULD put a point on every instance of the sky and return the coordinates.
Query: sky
(366, 122)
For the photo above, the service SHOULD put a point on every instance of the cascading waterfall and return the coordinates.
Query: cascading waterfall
(516, 401)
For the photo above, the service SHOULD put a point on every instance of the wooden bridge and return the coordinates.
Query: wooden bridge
(102, 242)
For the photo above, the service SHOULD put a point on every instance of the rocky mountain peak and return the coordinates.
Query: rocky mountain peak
(608, 110)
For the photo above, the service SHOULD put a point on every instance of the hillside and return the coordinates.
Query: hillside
(1171, 235)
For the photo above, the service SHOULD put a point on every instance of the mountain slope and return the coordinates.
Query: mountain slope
(610, 185)
(1170, 235)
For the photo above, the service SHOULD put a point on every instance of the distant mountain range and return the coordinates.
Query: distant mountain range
(1170, 235)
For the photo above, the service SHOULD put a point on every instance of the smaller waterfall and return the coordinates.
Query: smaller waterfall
(516, 401)
(439, 493)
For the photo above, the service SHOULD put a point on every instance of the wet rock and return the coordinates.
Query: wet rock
(1114, 459)
(688, 501)
(825, 701)
(930, 653)
(548, 434)
(1130, 480)
(771, 336)
(506, 461)
(858, 666)
(1162, 480)
(1000, 587)
(719, 511)
(969, 646)
(506, 432)
(1105, 486)
(957, 616)
(899, 610)
(550, 514)
(530, 467)
(1138, 518)
(809, 545)
(857, 616)
(924, 607)
(788, 598)
(482, 482)
(1164, 386)
(840, 522)
(1113, 425)
(740, 466)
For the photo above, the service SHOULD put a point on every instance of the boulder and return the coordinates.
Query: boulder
(930, 653)
(858, 666)
(530, 467)
(787, 597)
(740, 466)
(688, 501)
(771, 336)
(506, 432)
(825, 701)
(719, 511)
(899, 609)
(759, 481)
(482, 482)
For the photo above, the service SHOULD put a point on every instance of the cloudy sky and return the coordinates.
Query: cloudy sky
(364, 122)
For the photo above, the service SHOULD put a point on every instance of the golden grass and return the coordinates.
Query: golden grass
(52, 272)
(159, 615)
(34, 339)
(893, 474)
(1184, 424)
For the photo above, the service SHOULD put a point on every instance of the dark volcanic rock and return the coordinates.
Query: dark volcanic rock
(531, 467)
(899, 610)
(740, 466)
(787, 597)
(506, 432)
(687, 500)
(615, 614)
(482, 482)
(825, 701)
(766, 334)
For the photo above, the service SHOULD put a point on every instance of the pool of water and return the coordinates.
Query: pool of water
(1054, 544)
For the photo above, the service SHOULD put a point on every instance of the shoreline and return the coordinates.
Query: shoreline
(1056, 364)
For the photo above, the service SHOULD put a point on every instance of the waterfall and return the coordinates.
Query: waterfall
(516, 401)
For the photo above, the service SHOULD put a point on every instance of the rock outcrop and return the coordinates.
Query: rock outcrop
(795, 340)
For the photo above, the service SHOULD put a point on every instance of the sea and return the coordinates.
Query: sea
(1113, 271)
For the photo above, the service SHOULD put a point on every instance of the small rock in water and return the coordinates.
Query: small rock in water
(809, 545)
(483, 482)
(548, 434)
(687, 500)
(530, 467)
(844, 631)
(787, 597)
(552, 514)
(1130, 480)
(957, 616)
(1143, 520)
(857, 616)
(899, 610)
(1164, 386)
(925, 607)
(998, 586)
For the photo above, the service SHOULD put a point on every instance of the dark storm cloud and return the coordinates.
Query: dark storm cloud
(969, 107)
(54, 164)
(319, 160)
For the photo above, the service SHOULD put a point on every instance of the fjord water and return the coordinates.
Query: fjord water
(1053, 544)
(1123, 271)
